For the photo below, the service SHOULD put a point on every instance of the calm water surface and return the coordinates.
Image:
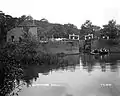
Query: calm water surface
(79, 75)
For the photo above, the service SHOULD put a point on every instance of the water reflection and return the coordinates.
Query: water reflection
(73, 70)
(70, 63)
(31, 73)
(105, 61)
(88, 62)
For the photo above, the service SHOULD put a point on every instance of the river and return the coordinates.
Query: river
(79, 75)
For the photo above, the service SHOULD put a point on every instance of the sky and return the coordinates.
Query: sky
(65, 11)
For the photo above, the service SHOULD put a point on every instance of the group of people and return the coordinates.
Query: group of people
(102, 50)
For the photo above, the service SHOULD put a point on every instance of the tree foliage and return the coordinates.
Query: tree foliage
(110, 29)
(7, 22)
(71, 29)
(87, 27)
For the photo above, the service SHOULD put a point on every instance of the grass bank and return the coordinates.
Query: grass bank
(65, 47)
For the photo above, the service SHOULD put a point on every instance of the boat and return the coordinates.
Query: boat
(95, 51)
(99, 52)
(103, 51)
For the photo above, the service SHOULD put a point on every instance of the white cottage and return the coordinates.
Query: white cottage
(73, 37)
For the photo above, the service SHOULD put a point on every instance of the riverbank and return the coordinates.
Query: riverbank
(26, 53)
(58, 47)
(111, 45)
(67, 48)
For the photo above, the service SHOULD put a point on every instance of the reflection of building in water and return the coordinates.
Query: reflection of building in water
(106, 63)
(103, 67)
(81, 66)
(87, 62)
(110, 66)
(114, 66)
(90, 67)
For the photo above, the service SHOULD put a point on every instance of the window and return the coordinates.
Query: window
(71, 37)
(76, 37)
(20, 39)
(12, 37)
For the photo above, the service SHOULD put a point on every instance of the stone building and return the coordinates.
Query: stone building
(15, 34)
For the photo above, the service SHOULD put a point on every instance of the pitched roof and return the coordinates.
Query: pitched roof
(29, 23)
(16, 31)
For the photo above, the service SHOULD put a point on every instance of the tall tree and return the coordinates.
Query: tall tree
(3, 25)
(21, 19)
(87, 27)
(70, 29)
(110, 29)
(7, 22)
